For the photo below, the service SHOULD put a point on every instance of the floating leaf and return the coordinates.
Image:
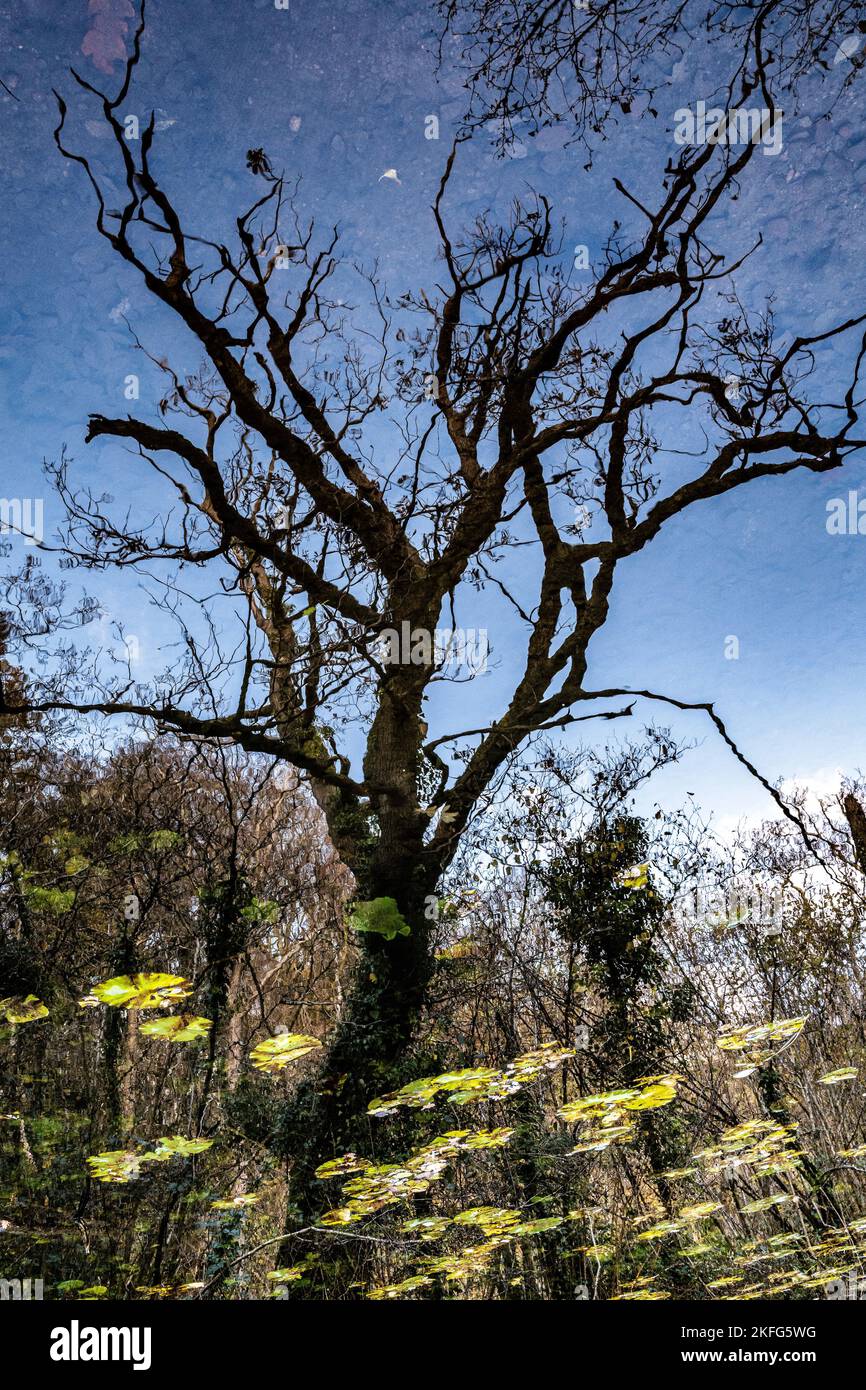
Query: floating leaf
(340, 1216)
(349, 1163)
(22, 1009)
(468, 1263)
(660, 1230)
(761, 1144)
(383, 1185)
(471, 1084)
(380, 916)
(386, 1291)
(490, 1219)
(752, 1035)
(640, 1296)
(290, 1275)
(606, 1116)
(463, 949)
(175, 1147)
(144, 991)
(662, 1093)
(427, 1227)
(635, 877)
(169, 1290)
(55, 901)
(275, 1053)
(847, 48)
(118, 1165)
(600, 1253)
(487, 1139)
(764, 1203)
(179, 1028)
(534, 1228)
(699, 1211)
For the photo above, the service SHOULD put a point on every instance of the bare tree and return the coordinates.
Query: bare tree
(589, 62)
(348, 475)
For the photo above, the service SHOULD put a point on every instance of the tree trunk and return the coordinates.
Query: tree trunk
(382, 843)
(366, 1054)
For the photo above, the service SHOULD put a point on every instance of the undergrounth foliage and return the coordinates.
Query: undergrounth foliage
(572, 1122)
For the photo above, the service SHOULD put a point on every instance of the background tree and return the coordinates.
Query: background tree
(591, 64)
(192, 862)
(612, 911)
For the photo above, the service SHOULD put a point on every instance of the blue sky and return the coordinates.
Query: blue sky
(337, 95)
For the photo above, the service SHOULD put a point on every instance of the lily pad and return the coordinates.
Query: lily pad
(275, 1053)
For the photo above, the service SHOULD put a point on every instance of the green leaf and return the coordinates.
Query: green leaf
(534, 1228)
(118, 1165)
(175, 1146)
(54, 901)
(347, 1163)
(244, 1199)
(165, 839)
(381, 916)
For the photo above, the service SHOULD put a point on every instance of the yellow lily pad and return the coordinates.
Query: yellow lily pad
(142, 991)
(22, 1009)
(275, 1053)
(179, 1028)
